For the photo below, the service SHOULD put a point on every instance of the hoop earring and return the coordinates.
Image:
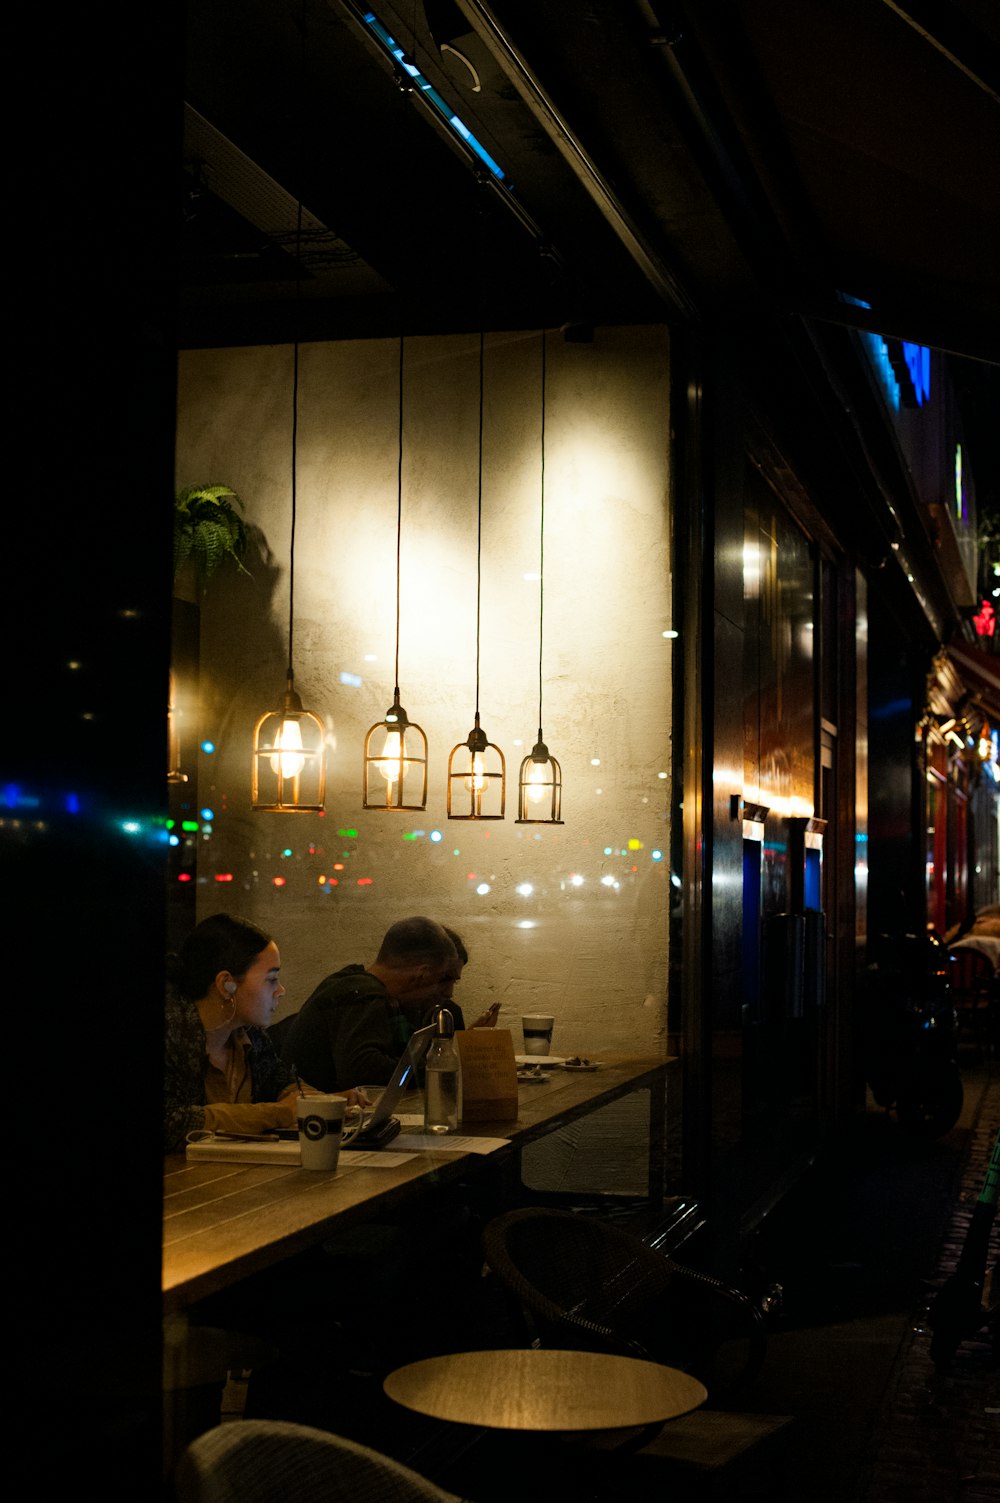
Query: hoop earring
(232, 1012)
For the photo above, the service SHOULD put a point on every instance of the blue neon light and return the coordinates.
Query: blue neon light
(444, 110)
(918, 363)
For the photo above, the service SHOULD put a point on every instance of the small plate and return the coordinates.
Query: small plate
(528, 1077)
(591, 1064)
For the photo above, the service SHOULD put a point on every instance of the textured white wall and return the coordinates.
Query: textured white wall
(594, 954)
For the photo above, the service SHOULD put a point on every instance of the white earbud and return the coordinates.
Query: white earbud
(230, 988)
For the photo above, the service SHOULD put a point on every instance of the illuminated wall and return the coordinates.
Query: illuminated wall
(570, 919)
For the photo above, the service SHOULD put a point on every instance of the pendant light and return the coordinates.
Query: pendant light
(477, 772)
(539, 784)
(289, 752)
(395, 775)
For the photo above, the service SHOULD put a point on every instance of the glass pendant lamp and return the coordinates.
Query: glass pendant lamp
(477, 771)
(539, 784)
(289, 743)
(395, 772)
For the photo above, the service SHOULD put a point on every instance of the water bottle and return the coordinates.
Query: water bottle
(442, 1077)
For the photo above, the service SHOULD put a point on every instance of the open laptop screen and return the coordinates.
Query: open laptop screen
(402, 1079)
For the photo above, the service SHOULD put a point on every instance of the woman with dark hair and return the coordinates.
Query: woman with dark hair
(221, 1071)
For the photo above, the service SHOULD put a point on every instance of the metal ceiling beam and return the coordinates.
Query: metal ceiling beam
(522, 76)
(948, 33)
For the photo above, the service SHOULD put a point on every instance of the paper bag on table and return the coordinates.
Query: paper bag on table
(489, 1074)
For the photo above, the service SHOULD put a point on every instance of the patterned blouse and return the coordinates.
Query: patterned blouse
(185, 1065)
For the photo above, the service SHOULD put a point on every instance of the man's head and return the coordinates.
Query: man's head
(417, 962)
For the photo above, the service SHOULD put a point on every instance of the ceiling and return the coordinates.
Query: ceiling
(714, 163)
(701, 161)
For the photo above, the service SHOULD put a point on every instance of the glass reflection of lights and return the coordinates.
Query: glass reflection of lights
(131, 826)
(662, 775)
(483, 888)
(287, 851)
(207, 814)
(608, 881)
(435, 835)
(173, 839)
(656, 855)
(576, 880)
(208, 747)
(671, 635)
(278, 881)
(525, 889)
(352, 680)
(526, 924)
(595, 761)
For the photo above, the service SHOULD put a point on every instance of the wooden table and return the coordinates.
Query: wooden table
(223, 1222)
(544, 1390)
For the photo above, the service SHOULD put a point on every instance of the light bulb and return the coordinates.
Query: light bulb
(477, 782)
(392, 751)
(288, 762)
(535, 784)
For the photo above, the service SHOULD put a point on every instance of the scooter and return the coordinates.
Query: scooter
(912, 1035)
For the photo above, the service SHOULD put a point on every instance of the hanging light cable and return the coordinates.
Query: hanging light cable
(289, 751)
(395, 775)
(477, 772)
(539, 784)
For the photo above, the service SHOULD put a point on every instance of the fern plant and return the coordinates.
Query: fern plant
(208, 529)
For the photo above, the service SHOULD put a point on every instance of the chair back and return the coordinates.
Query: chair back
(971, 974)
(257, 1461)
(578, 1281)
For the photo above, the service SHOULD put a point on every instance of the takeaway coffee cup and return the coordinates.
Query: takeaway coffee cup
(537, 1030)
(321, 1130)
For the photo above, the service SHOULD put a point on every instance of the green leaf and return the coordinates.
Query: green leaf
(209, 529)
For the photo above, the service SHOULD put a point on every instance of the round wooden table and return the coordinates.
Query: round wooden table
(544, 1390)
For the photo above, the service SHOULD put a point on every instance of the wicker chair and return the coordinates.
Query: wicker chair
(576, 1281)
(256, 1461)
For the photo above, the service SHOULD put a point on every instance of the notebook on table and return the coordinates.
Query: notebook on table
(267, 1149)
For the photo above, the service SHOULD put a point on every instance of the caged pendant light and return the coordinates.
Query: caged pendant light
(395, 775)
(289, 751)
(539, 784)
(477, 772)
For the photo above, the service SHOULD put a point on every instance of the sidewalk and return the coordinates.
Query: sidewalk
(938, 1435)
(859, 1248)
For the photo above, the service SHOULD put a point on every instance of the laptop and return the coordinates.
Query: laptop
(382, 1126)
